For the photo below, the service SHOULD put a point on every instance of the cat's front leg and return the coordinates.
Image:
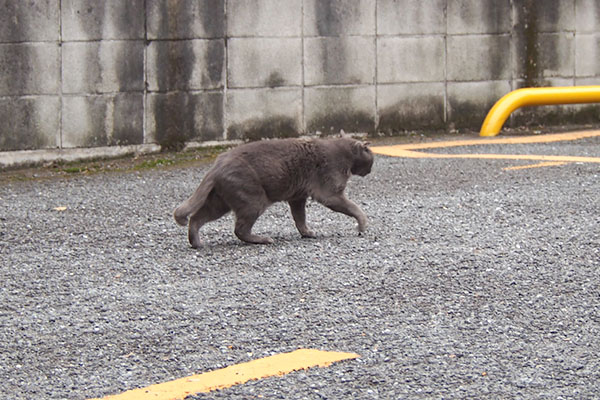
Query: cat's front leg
(298, 208)
(341, 204)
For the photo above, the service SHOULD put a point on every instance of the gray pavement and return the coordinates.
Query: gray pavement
(471, 282)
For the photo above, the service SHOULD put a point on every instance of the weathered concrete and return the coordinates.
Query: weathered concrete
(264, 62)
(587, 54)
(185, 19)
(83, 73)
(185, 65)
(468, 17)
(411, 106)
(29, 68)
(339, 17)
(256, 113)
(478, 58)
(30, 122)
(104, 120)
(177, 117)
(410, 59)
(467, 101)
(339, 60)
(587, 16)
(103, 67)
(22, 22)
(264, 18)
(411, 17)
(329, 110)
(95, 20)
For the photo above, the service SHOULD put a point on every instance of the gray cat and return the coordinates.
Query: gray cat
(252, 176)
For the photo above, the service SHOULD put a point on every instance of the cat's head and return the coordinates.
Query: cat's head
(362, 158)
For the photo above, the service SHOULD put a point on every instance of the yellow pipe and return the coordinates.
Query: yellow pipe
(535, 97)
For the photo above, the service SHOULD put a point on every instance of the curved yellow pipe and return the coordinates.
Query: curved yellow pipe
(535, 97)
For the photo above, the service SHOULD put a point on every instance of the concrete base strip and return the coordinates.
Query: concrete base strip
(277, 365)
(34, 157)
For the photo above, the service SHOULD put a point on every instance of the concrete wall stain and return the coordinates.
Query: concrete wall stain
(467, 114)
(130, 68)
(423, 113)
(214, 60)
(528, 46)
(213, 18)
(275, 79)
(174, 123)
(21, 129)
(271, 127)
(127, 119)
(349, 120)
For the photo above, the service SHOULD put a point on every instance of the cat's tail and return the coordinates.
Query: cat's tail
(195, 202)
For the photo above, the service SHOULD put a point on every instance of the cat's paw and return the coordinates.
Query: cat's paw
(308, 234)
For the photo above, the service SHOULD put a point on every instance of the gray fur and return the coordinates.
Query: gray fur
(251, 177)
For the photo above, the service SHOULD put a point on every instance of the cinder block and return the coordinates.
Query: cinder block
(546, 16)
(402, 59)
(263, 113)
(264, 62)
(103, 67)
(92, 19)
(478, 57)
(29, 68)
(555, 15)
(587, 81)
(339, 17)
(328, 110)
(28, 123)
(410, 106)
(103, 120)
(177, 117)
(339, 60)
(479, 16)
(587, 49)
(552, 82)
(185, 19)
(186, 64)
(410, 17)
(553, 56)
(256, 18)
(469, 102)
(587, 14)
(20, 21)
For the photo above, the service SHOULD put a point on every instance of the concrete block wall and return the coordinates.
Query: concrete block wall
(85, 73)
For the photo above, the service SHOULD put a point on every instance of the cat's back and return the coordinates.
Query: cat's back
(276, 153)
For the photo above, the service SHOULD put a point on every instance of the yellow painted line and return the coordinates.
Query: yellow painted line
(550, 138)
(538, 165)
(526, 157)
(277, 365)
(407, 150)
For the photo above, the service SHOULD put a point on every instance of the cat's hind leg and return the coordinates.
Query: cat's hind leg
(213, 209)
(244, 222)
(298, 208)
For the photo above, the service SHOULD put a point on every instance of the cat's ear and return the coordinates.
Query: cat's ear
(358, 146)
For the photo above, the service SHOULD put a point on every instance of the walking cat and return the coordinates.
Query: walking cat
(249, 178)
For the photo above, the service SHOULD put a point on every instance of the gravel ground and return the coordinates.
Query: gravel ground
(471, 282)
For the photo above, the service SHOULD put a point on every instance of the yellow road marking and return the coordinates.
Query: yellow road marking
(277, 365)
(538, 165)
(408, 150)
